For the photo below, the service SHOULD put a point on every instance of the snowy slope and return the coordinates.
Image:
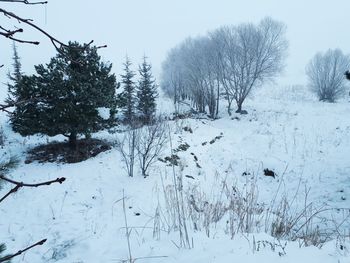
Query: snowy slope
(307, 144)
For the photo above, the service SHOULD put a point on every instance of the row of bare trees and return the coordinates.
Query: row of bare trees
(230, 62)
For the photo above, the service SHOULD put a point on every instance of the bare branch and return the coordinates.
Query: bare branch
(19, 252)
(13, 190)
(25, 2)
(103, 46)
(19, 185)
(10, 33)
(29, 22)
(24, 41)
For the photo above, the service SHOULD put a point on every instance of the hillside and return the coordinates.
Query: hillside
(231, 208)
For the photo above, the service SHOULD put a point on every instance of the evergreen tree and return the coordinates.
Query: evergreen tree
(146, 92)
(15, 76)
(65, 95)
(127, 97)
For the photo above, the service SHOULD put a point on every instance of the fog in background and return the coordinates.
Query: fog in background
(153, 27)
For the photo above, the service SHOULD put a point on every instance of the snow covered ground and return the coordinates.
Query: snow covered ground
(306, 142)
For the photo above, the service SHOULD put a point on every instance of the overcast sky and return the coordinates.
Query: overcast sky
(152, 27)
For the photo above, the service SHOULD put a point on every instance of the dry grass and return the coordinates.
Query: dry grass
(236, 210)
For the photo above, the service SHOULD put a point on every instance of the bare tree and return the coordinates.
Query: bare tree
(151, 142)
(127, 147)
(325, 72)
(191, 58)
(143, 144)
(208, 71)
(220, 44)
(189, 72)
(172, 82)
(251, 55)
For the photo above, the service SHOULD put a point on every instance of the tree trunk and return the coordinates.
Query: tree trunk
(239, 107)
(73, 141)
(229, 107)
(217, 101)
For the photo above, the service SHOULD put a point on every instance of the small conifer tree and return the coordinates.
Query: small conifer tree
(127, 97)
(65, 95)
(146, 93)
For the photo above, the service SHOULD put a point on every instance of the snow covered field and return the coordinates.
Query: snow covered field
(305, 142)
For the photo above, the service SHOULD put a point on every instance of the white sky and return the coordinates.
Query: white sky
(152, 27)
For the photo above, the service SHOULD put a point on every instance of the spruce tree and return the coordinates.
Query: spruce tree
(65, 95)
(146, 93)
(14, 76)
(127, 97)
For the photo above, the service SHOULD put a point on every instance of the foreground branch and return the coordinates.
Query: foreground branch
(19, 252)
(55, 41)
(19, 185)
(59, 45)
(25, 2)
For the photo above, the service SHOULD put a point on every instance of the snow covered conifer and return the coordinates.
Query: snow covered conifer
(127, 97)
(146, 92)
(65, 95)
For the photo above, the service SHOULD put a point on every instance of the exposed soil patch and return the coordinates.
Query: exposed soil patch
(182, 147)
(214, 140)
(61, 152)
(172, 160)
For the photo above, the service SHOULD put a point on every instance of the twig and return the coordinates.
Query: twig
(21, 184)
(28, 22)
(19, 252)
(25, 2)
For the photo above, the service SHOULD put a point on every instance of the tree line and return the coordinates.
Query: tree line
(231, 61)
(228, 62)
